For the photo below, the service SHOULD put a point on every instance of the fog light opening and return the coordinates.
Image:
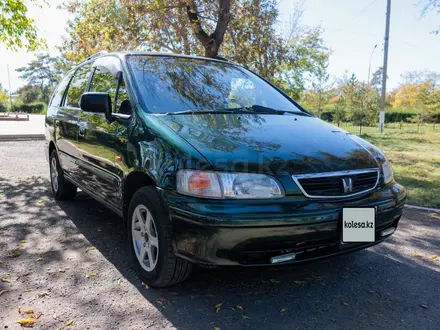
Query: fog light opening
(388, 231)
(283, 258)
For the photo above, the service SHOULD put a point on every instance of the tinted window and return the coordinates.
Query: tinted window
(57, 96)
(170, 84)
(104, 81)
(77, 86)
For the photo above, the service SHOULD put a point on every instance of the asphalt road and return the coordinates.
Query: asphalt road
(393, 285)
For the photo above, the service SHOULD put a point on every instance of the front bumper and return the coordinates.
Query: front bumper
(249, 233)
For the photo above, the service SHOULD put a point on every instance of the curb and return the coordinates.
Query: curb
(22, 137)
(422, 208)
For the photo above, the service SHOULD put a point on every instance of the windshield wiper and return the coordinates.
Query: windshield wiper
(198, 111)
(267, 110)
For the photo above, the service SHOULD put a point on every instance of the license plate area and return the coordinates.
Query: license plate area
(358, 224)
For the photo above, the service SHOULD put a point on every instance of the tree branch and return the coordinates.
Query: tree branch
(194, 20)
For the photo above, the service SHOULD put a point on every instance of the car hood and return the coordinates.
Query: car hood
(273, 144)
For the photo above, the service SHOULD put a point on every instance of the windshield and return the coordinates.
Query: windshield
(175, 84)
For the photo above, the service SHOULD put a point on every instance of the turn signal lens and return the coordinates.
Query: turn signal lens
(198, 183)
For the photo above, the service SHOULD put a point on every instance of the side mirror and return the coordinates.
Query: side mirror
(97, 103)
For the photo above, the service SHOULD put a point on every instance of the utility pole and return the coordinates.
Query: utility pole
(10, 98)
(385, 67)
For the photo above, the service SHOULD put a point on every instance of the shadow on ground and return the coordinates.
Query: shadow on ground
(382, 287)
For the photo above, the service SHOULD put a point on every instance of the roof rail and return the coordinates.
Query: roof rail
(96, 55)
(221, 58)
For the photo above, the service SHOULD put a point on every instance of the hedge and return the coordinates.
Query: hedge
(29, 108)
(397, 117)
(2, 108)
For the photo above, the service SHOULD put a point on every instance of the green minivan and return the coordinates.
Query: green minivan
(208, 163)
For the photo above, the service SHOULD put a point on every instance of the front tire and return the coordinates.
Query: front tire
(61, 188)
(150, 241)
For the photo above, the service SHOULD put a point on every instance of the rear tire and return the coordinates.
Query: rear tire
(150, 241)
(61, 188)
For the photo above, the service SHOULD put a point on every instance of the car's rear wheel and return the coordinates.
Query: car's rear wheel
(150, 241)
(61, 188)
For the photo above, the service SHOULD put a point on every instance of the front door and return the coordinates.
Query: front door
(98, 137)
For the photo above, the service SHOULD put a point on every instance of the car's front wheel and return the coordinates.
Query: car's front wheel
(61, 188)
(150, 241)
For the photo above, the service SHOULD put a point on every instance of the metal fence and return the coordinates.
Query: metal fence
(403, 127)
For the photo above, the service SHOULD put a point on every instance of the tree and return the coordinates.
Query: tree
(29, 94)
(16, 28)
(252, 37)
(339, 113)
(43, 72)
(429, 5)
(169, 24)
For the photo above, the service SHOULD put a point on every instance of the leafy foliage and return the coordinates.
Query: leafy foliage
(42, 75)
(17, 30)
(251, 39)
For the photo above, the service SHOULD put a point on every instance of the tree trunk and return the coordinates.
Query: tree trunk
(212, 42)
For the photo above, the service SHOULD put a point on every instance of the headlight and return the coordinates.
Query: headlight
(387, 171)
(228, 185)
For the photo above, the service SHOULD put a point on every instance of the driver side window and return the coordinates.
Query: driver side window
(104, 81)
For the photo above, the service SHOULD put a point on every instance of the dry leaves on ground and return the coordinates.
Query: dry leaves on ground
(217, 307)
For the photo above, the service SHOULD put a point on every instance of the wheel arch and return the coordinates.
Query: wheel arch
(132, 183)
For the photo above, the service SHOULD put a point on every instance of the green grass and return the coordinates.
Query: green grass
(415, 157)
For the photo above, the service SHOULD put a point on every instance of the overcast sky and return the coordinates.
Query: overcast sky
(351, 29)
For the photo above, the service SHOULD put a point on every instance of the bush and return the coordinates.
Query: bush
(397, 116)
(2, 107)
(327, 116)
(29, 108)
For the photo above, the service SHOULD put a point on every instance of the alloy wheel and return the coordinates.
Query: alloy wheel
(145, 238)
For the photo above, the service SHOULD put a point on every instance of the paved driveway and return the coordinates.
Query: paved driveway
(393, 285)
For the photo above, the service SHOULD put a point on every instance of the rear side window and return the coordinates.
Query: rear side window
(78, 85)
(57, 96)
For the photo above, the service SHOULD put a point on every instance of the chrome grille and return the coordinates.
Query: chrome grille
(337, 184)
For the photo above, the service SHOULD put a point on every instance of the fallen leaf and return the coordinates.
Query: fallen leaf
(300, 282)
(161, 300)
(245, 317)
(43, 294)
(145, 285)
(68, 323)
(14, 254)
(416, 255)
(91, 275)
(22, 275)
(273, 280)
(23, 241)
(37, 315)
(239, 307)
(28, 290)
(424, 306)
(217, 307)
(90, 248)
(119, 281)
(63, 270)
(40, 201)
(1, 262)
(282, 310)
(40, 258)
(69, 258)
(434, 257)
(28, 321)
(28, 311)
(3, 291)
(216, 328)
(99, 228)
(345, 303)
(4, 280)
